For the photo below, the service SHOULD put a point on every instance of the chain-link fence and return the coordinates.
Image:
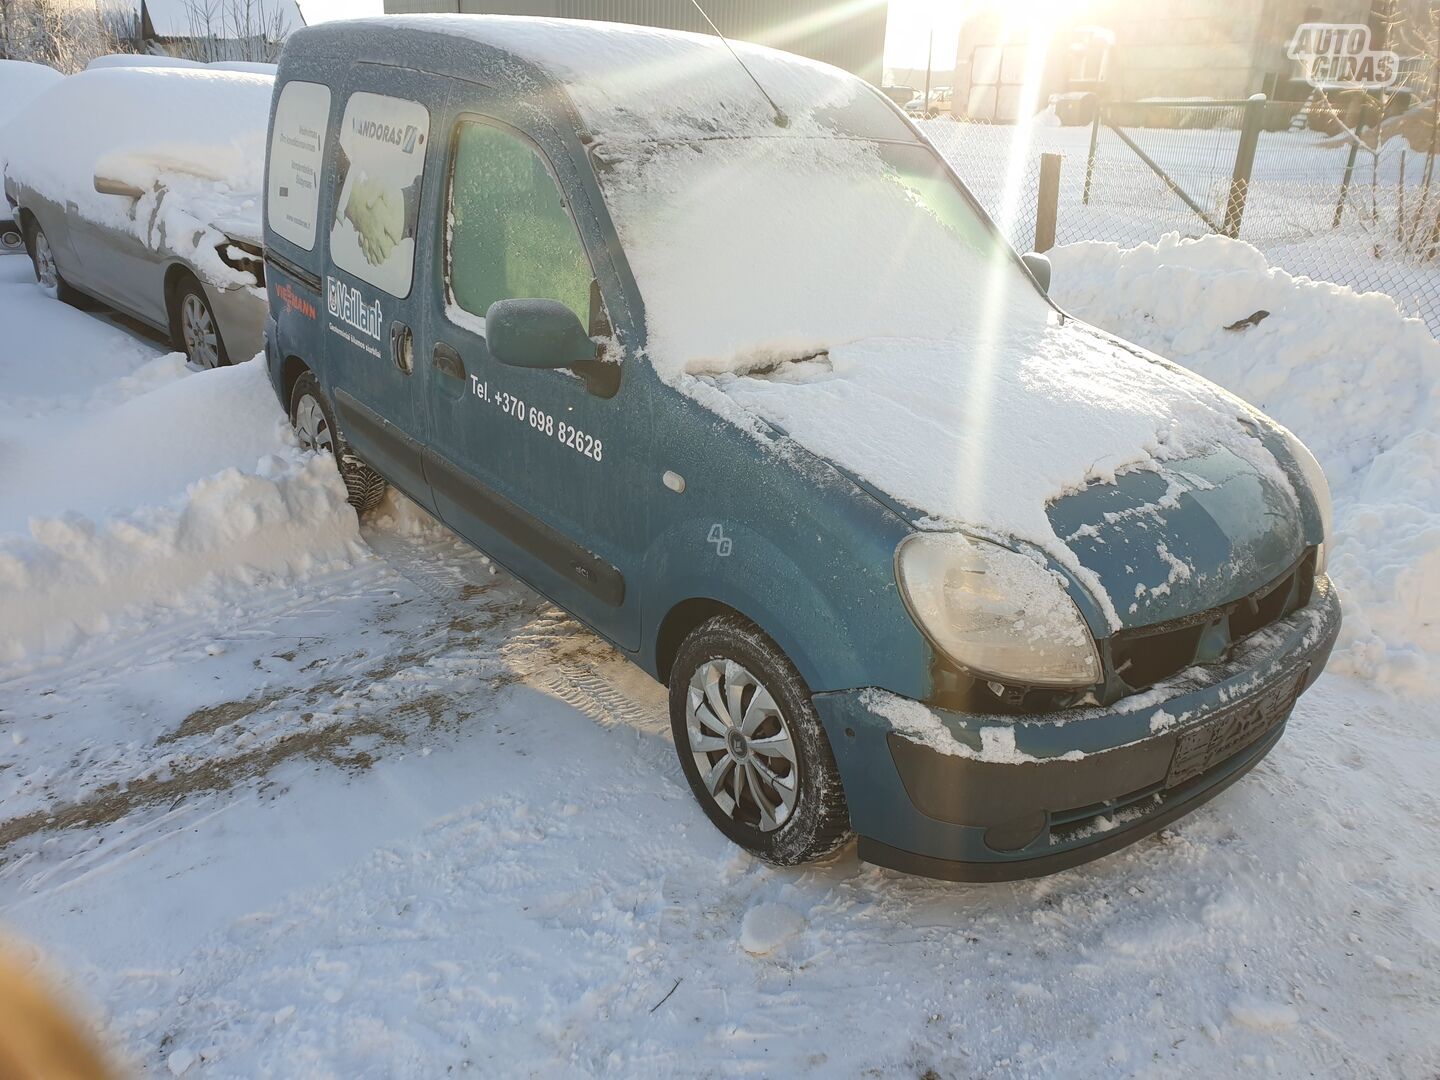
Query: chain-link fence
(1314, 203)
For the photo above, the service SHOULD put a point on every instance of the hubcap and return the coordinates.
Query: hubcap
(310, 425)
(202, 346)
(45, 270)
(742, 745)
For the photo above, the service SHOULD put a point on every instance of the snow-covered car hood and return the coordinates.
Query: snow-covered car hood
(1146, 482)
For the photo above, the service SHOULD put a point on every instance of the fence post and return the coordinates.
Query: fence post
(1047, 201)
(1244, 163)
(1345, 180)
(1094, 145)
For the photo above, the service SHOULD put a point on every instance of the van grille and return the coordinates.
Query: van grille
(1151, 654)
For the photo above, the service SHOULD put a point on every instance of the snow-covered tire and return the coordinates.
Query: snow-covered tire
(315, 426)
(47, 274)
(773, 741)
(194, 330)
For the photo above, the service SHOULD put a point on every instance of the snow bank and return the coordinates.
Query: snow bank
(21, 82)
(130, 511)
(1360, 385)
(192, 138)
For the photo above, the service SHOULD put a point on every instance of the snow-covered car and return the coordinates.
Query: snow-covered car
(19, 82)
(140, 187)
(726, 361)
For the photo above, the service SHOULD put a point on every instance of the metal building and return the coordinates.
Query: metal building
(847, 34)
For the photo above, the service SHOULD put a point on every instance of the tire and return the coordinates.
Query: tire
(729, 652)
(47, 273)
(315, 426)
(193, 327)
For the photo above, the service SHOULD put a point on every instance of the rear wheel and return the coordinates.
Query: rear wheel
(47, 271)
(193, 329)
(314, 425)
(751, 745)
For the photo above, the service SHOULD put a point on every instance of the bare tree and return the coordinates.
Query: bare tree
(65, 34)
(236, 30)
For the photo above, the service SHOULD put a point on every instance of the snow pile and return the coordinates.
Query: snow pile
(20, 83)
(1357, 382)
(133, 485)
(192, 139)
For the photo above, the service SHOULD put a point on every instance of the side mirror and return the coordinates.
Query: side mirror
(1039, 267)
(536, 334)
(107, 185)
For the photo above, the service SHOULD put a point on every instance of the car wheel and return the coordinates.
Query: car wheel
(751, 745)
(193, 329)
(315, 428)
(47, 271)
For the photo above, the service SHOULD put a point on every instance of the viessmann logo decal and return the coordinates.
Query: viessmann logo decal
(405, 138)
(349, 306)
(294, 301)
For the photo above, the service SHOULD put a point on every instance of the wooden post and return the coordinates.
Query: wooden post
(1047, 202)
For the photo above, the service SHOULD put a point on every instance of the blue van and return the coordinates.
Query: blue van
(714, 350)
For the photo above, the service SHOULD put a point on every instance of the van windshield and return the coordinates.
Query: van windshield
(768, 248)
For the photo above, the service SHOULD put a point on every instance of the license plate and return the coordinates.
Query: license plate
(1209, 743)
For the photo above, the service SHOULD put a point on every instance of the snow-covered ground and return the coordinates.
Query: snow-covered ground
(284, 795)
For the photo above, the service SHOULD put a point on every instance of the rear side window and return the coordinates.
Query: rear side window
(511, 234)
(297, 142)
(378, 169)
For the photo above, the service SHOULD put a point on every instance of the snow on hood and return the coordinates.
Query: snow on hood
(983, 437)
(198, 134)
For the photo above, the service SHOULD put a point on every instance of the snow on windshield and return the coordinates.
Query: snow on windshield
(192, 139)
(749, 251)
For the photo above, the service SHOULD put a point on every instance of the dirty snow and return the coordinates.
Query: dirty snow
(1356, 382)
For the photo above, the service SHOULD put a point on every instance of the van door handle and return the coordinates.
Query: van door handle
(402, 346)
(448, 362)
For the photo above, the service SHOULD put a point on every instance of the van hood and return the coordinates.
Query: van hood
(1151, 487)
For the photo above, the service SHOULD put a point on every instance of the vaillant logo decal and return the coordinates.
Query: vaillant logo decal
(405, 138)
(349, 306)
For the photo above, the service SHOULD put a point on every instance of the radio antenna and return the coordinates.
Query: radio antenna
(781, 120)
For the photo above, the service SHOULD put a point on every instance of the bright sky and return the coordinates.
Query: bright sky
(316, 11)
(908, 32)
(910, 24)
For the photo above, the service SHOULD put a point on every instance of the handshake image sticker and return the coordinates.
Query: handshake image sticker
(378, 214)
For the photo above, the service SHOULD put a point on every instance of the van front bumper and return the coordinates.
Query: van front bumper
(973, 797)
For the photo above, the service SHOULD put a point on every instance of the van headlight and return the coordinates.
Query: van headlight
(1319, 488)
(995, 612)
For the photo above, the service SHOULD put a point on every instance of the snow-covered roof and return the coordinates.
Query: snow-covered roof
(648, 82)
(133, 60)
(19, 82)
(221, 18)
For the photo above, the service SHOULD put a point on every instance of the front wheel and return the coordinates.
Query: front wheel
(314, 425)
(752, 747)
